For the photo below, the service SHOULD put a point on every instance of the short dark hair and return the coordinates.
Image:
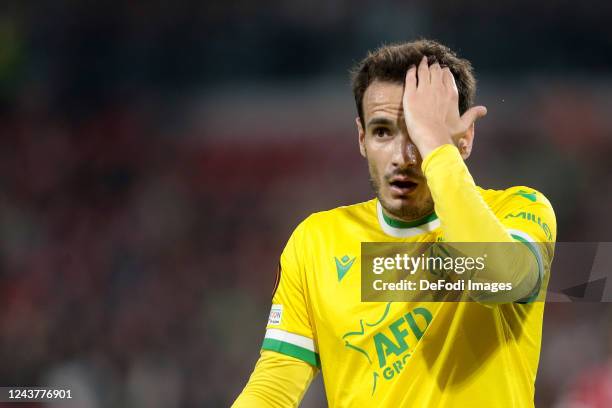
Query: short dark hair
(391, 62)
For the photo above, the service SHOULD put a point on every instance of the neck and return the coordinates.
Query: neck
(405, 222)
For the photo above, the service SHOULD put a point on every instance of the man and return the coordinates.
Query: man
(415, 126)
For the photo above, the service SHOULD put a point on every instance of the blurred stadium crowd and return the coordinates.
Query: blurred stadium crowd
(154, 159)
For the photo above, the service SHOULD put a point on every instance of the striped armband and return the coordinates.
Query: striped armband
(292, 345)
(535, 250)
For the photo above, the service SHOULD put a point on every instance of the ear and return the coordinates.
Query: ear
(361, 134)
(466, 141)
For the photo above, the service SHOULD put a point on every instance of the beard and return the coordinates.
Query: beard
(421, 206)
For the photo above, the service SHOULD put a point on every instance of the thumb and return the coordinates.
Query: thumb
(472, 115)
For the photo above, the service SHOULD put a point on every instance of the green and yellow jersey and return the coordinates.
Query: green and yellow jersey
(403, 354)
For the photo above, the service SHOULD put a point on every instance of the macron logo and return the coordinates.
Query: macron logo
(343, 265)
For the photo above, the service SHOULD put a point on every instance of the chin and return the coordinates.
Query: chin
(400, 206)
(405, 207)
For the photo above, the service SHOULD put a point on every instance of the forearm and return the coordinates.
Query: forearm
(466, 217)
(277, 381)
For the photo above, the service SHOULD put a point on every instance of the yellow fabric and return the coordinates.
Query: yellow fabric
(453, 191)
(278, 381)
(411, 354)
(458, 203)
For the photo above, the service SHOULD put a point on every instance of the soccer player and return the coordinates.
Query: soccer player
(415, 127)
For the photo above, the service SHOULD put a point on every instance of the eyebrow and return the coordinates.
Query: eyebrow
(380, 121)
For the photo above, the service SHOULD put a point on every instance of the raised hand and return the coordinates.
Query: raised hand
(431, 108)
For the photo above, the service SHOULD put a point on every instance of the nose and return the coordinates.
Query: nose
(405, 153)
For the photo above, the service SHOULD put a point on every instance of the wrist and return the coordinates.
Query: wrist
(429, 140)
(444, 157)
(426, 148)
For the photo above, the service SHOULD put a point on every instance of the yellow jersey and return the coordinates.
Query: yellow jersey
(407, 354)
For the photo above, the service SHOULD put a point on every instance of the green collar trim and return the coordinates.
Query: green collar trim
(392, 222)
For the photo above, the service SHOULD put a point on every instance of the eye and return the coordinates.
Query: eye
(381, 131)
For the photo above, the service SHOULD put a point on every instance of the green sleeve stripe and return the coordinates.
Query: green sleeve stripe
(292, 350)
(535, 253)
(533, 250)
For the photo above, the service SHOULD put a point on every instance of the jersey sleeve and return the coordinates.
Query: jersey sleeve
(529, 218)
(466, 216)
(289, 329)
(277, 381)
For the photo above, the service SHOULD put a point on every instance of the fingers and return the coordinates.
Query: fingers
(435, 74)
(472, 115)
(411, 78)
(430, 74)
(449, 82)
(423, 72)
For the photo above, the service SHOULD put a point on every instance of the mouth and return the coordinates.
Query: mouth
(402, 187)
